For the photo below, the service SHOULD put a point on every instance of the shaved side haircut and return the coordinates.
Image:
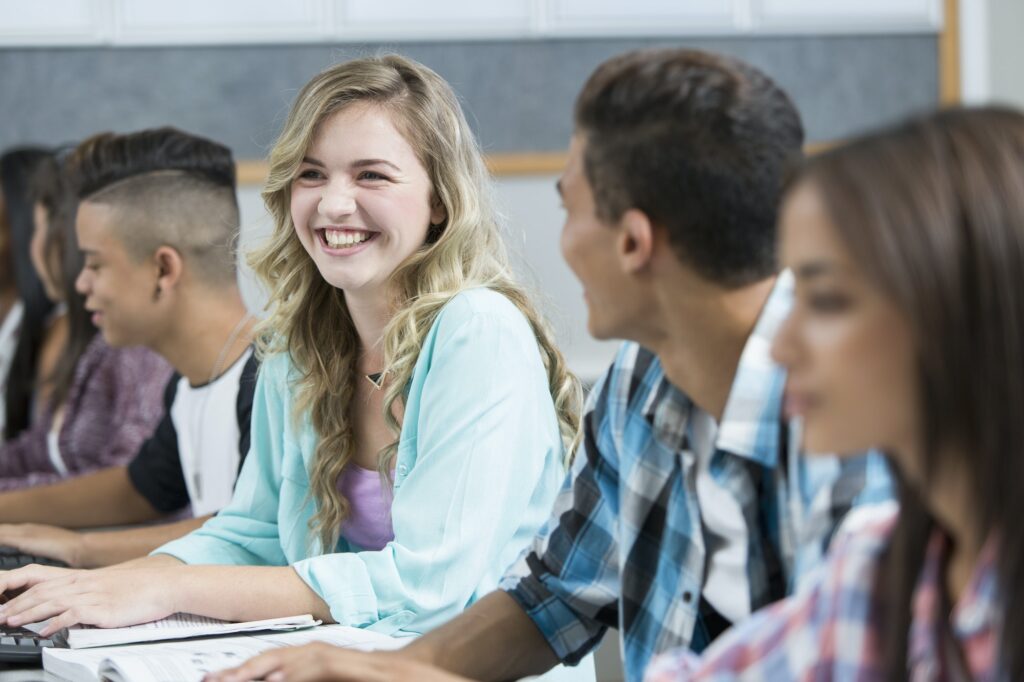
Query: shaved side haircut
(166, 187)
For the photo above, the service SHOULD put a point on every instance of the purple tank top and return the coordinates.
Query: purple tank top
(368, 525)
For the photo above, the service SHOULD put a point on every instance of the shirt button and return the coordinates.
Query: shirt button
(687, 597)
(402, 470)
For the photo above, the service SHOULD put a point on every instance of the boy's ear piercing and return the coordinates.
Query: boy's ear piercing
(156, 293)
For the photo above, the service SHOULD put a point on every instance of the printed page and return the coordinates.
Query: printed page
(192, 659)
(178, 626)
(170, 667)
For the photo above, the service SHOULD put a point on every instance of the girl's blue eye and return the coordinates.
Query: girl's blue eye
(371, 175)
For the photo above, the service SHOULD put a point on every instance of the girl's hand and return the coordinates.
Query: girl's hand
(106, 598)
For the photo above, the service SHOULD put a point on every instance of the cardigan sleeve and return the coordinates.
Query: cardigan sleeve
(486, 441)
(25, 457)
(112, 406)
(245, 533)
(116, 410)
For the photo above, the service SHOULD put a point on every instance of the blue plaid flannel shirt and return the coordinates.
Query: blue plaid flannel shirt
(624, 546)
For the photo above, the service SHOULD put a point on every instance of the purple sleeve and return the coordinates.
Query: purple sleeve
(24, 454)
(114, 404)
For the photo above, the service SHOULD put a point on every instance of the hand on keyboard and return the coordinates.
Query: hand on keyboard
(104, 597)
(53, 546)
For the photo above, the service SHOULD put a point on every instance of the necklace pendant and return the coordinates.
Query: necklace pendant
(377, 379)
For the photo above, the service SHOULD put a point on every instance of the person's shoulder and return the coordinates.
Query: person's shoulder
(866, 528)
(480, 300)
(488, 308)
(132, 360)
(856, 551)
(274, 368)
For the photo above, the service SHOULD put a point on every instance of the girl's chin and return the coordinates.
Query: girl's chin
(347, 283)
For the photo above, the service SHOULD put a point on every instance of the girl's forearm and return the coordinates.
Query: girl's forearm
(241, 593)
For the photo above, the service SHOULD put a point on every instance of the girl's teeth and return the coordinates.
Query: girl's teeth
(337, 239)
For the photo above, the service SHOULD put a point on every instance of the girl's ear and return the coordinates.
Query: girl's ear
(438, 213)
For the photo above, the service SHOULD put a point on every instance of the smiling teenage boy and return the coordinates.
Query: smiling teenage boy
(157, 222)
(690, 504)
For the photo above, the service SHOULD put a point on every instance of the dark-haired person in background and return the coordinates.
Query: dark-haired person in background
(908, 247)
(157, 223)
(27, 319)
(690, 503)
(97, 404)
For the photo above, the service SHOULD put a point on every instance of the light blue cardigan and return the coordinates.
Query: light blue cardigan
(479, 464)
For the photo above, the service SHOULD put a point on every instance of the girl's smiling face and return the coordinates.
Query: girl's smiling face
(362, 201)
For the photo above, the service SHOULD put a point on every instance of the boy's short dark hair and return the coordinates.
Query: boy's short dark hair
(169, 188)
(108, 158)
(698, 142)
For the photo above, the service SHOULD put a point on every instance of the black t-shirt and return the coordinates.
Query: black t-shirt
(157, 471)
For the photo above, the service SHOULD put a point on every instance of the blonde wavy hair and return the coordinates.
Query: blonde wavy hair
(308, 318)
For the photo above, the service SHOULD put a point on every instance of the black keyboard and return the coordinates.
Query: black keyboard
(18, 645)
(11, 558)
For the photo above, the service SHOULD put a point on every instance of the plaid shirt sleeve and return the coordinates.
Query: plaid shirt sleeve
(567, 581)
(823, 632)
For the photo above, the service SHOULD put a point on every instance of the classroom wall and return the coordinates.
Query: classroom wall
(992, 51)
(1006, 42)
(518, 94)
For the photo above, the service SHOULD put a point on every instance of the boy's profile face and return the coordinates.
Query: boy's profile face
(119, 290)
(590, 248)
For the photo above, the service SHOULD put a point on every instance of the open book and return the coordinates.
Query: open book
(190, 660)
(178, 626)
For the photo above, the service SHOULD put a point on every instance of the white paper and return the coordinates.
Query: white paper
(178, 626)
(192, 659)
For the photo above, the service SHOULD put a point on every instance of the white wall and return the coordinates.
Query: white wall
(1007, 50)
(534, 219)
(992, 51)
(201, 22)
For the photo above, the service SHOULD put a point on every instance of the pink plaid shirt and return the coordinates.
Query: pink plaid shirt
(829, 631)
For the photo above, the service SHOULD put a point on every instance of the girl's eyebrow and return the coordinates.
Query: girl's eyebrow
(362, 163)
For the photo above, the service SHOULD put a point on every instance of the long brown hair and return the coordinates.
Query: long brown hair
(64, 260)
(932, 211)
